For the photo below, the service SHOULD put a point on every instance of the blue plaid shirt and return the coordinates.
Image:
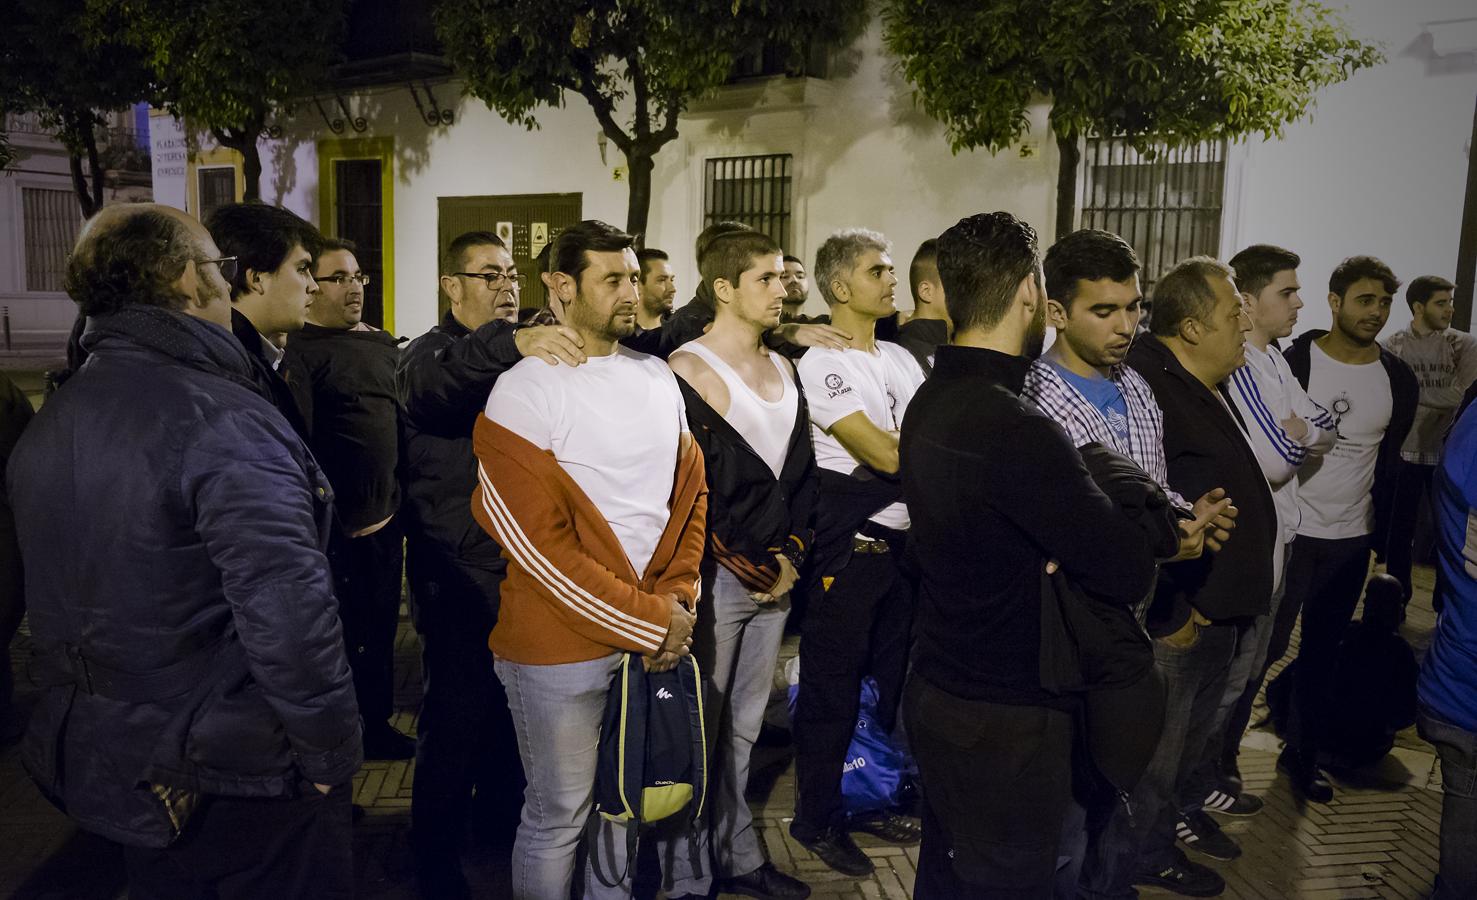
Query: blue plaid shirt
(1085, 423)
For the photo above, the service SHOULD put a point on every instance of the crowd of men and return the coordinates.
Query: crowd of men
(1068, 571)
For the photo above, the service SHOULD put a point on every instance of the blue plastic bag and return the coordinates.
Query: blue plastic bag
(878, 771)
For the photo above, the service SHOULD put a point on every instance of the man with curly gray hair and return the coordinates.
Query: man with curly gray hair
(860, 608)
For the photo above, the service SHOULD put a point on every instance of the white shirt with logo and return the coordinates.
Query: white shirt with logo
(839, 383)
(1334, 490)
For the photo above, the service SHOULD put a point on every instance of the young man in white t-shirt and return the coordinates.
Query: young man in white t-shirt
(1344, 496)
(860, 605)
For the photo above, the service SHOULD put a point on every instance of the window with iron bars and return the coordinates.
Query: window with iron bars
(1167, 204)
(753, 190)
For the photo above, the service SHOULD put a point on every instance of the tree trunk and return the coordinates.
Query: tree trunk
(95, 166)
(243, 141)
(81, 141)
(1066, 185)
(79, 186)
(638, 204)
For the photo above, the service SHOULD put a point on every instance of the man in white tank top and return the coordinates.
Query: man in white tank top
(751, 424)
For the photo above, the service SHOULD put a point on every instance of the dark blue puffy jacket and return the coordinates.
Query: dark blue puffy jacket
(185, 629)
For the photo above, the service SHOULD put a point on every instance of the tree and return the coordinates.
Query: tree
(231, 68)
(1173, 71)
(517, 55)
(60, 60)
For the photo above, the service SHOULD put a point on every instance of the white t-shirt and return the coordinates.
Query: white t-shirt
(1334, 490)
(613, 424)
(841, 382)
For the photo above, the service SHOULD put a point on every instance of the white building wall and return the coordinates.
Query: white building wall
(1380, 168)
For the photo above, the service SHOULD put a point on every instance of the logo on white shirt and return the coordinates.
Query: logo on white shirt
(837, 387)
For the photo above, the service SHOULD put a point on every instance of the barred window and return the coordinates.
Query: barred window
(1168, 206)
(52, 221)
(217, 188)
(753, 190)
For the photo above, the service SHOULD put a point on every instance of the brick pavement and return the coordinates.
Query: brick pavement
(1377, 839)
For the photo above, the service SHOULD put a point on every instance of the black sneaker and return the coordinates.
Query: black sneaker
(1189, 879)
(1200, 833)
(1219, 801)
(836, 849)
(382, 741)
(766, 883)
(1311, 784)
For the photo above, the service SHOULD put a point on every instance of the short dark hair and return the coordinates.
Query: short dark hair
(645, 257)
(590, 235)
(982, 259)
(260, 237)
(713, 232)
(1257, 265)
(456, 252)
(1356, 268)
(926, 259)
(1087, 255)
(794, 259)
(1184, 292)
(733, 254)
(132, 262)
(1425, 287)
(327, 244)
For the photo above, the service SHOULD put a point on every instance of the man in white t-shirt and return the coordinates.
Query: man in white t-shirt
(591, 483)
(859, 612)
(1343, 496)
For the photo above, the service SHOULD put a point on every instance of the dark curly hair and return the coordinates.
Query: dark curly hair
(134, 261)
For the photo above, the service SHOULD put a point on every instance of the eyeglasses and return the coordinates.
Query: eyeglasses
(227, 264)
(341, 280)
(496, 280)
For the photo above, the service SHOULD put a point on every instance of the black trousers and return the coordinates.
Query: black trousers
(236, 848)
(1328, 576)
(367, 580)
(465, 744)
(1412, 486)
(997, 785)
(861, 625)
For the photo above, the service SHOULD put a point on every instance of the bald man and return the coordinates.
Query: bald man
(196, 706)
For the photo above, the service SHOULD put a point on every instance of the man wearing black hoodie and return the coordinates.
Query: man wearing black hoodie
(342, 372)
(1197, 340)
(1345, 497)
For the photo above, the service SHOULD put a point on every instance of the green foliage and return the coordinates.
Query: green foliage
(1180, 71)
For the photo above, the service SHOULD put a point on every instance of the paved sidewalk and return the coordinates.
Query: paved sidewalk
(1377, 839)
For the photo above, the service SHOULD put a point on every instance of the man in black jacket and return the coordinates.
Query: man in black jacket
(1345, 497)
(746, 411)
(196, 704)
(1196, 342)
(272, 288)
(452, 566)
(981, 468)
(342, 373)
(15, 414)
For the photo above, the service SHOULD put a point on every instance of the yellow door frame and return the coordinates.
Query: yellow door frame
(382, 149)
(215, 157)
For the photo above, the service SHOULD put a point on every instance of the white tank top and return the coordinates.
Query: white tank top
(766, 425)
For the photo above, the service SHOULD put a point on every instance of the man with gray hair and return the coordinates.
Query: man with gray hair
(860, 607)
(196, 704)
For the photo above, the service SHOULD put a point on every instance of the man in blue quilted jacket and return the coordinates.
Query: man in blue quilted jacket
(196, 703)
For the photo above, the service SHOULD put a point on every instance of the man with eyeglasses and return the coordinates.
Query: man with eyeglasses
(271, 253)
(342, 373)
(453, 567)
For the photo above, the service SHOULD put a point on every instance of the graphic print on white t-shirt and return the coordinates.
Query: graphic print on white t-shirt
(1334, 491)
(614, 424)
(839, 383)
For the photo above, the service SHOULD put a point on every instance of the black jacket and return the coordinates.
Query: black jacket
(923, 338)
(275, 383)
(182, 611)
(1405, 391)
(995, 489)
(443, 381)
(1206, 447)
(344, 383)
(751, 514)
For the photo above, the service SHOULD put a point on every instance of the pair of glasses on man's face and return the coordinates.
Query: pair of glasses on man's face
(341, 280)
(496, 280)
(227, 264)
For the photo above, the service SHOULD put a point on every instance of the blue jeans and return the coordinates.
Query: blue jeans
(1123, 845)
(737, 645)
(1457, 748)
(557, 712)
